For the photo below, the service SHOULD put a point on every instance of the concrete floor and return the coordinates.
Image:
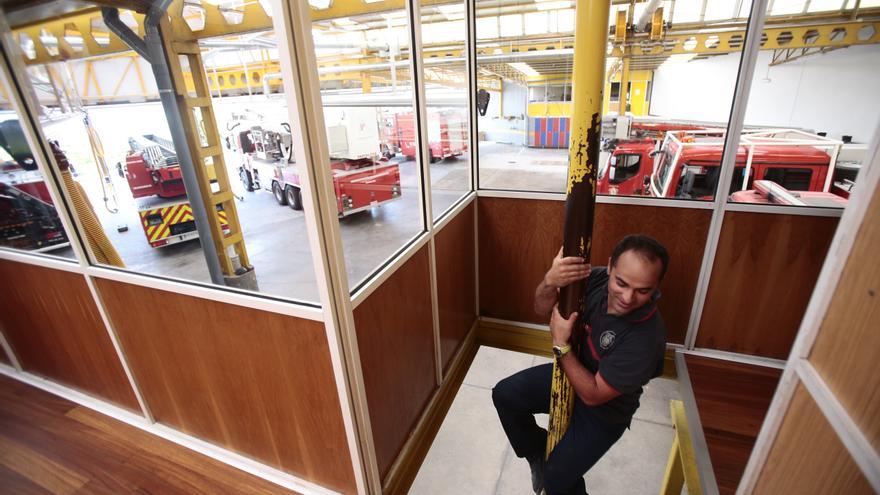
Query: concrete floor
(471, 454)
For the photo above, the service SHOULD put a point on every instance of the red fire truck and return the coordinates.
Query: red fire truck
(769, 192)
(688, 163)
(359, 180)
(154, 177)
(447, 135)
(28, 218)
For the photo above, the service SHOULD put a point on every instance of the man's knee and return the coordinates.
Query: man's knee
(501, 393)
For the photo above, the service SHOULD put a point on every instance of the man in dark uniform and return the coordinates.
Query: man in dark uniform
(623, 348)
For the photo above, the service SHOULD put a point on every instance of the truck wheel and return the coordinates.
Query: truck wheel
(294, 197)
(431, 157)
(279, 193)
(246, 179)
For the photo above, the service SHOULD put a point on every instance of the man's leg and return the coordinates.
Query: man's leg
(584, 443)
(517, 399)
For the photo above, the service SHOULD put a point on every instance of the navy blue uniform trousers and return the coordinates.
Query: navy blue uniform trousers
(519, 397)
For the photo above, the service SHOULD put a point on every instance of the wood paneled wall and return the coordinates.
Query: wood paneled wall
(813, 459)
(456, 282)
(732, 399)
(520, 237)
(4, 358)
(395, 334)
(765, 269)
(52, 324)
(845, 351)
(518, 240)
(255, 382)
(682, 231)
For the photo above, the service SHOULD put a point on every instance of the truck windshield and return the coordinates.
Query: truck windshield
(663, 172)
(625, 167)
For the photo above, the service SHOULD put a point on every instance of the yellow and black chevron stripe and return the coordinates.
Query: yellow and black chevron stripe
(170, 215)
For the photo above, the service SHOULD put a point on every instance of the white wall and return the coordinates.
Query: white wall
(835, 92)
(505, 119)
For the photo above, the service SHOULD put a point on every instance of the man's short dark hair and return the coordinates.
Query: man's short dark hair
(646, 246)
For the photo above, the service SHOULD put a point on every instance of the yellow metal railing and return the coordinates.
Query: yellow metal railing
(681, 468)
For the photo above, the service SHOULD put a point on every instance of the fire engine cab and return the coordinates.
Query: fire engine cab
(28, 218)
(154, 178)
(688, 163)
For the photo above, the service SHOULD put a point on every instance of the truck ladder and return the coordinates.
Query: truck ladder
(204, 143)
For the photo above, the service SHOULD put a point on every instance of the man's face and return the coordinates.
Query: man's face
(632, 282)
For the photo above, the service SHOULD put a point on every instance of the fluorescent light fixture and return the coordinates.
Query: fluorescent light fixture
(452, 12)
(524, 68)
(555, 5)
(344, 21)
(320, 4)
(678, 59)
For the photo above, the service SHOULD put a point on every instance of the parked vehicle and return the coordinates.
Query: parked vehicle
(769, 192)
(154, 178)
(688, 163)
(361, 182)
(447, 135)
(28, 218)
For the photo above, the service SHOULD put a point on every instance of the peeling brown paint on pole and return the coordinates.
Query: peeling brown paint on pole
(591, 39)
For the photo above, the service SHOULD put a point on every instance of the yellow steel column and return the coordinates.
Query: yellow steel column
(624, 84)
(591, 39)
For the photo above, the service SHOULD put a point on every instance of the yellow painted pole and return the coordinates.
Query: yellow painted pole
(591, 39)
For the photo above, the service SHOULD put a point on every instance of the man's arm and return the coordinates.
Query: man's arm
(562, 272)
(591, 389)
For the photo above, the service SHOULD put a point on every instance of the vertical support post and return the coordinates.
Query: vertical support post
(624, 83)
(590, 42)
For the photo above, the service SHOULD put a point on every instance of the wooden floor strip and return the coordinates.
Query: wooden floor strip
(50, 445)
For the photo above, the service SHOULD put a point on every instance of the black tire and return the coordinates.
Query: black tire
(294, 197)
(279, 193)
(431, 157)
(246, 179)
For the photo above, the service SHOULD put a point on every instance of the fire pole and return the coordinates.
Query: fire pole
(591, 40)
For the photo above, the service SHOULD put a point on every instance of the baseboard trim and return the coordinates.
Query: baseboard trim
(515, 338)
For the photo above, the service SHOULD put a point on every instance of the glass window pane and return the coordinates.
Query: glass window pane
(28, 217)
(446, 83)
(678, 85)
(366, 86)
(106, 116)
(809, 120)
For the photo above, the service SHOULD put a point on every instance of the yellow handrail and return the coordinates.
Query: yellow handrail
(681, 468)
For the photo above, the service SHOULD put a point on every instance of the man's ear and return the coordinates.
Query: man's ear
(609, 264)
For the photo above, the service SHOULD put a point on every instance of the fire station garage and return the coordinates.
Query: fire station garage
(270, 246)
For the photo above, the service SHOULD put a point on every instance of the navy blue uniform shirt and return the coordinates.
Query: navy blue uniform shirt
(626, 350)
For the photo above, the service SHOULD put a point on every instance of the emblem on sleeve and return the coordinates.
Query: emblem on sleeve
(606, 340)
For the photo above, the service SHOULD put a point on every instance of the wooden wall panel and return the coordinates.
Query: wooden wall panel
(395, 334)
(808, 457)
(845, 351)
(255, 382)
(520, 237)
(518, 240)
(4, 358)
(682, 231)
(732, 399)
(52, 324)
(456, 282)
(765, 269)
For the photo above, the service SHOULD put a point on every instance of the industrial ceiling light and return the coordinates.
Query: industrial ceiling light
(524, 68)
(552, 5)
(320, 4)
(452, 12)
